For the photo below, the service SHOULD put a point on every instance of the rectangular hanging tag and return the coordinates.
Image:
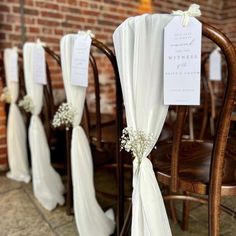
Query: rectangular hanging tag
(13, 66)
(80, 60)
(215, 65)
(182, 62)
(39, 65)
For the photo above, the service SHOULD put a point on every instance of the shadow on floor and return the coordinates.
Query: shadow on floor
(22, 215)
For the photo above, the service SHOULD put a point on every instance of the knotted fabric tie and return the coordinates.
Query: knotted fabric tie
(88, 32)
(39, 42)
(194, 10)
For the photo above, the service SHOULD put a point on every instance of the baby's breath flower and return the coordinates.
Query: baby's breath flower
(136, 142)
(27, 104)
(5, 96)
(64, 116)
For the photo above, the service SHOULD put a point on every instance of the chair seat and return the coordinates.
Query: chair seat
(108, 133)
(108, 128)
(194, 167)
(105, 119)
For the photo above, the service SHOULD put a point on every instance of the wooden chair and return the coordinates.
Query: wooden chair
(198, 166)
(103, 131)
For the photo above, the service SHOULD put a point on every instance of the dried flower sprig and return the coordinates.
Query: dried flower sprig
(64, 116)
(6, 95)
(136, 142)
(27, 103)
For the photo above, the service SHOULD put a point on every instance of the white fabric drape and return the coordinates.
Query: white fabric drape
(139, 49)
(47, 185)
(90, 218)
(16, 130)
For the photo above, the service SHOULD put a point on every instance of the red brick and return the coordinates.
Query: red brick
(16, 9)
(2, 111)
(4, 8)
(70, 9)
(49, 23)
(83, 4)
(2, 36)
(90, 12)
(30, 11)
(29, 20)
(13, 18)
(75, 18)
(47, 5)
(33, 30)
(49, 14)
(12, 1)
(3, 140)
(16, 37)
(3, 160)
(5, 27)
(58, 31)
(29, 2)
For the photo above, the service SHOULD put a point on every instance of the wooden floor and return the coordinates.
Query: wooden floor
(22, 215)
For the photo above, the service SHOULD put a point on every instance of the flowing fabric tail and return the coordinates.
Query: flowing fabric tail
(47, 185)
(16, 146)
(90, 218)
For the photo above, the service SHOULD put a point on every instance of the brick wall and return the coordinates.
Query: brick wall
(49, 20)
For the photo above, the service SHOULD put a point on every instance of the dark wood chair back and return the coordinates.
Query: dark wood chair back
(49, 107)
(183, 167)
(98, 121)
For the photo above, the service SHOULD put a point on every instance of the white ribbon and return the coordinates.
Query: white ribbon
(194, 10)
(39, 42)
(16, 49)
(88, 32)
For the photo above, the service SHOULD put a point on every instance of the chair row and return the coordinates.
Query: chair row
(192, 166)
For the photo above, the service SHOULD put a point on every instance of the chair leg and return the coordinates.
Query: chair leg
(214, 215)
(173, 211)
(120, 192)
(170, 206)
(203, 126)
(186, 209)
(212, 126)
(69, 196)
(191, 128)
(127, 223)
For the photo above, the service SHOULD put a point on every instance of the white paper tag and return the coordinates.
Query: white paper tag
(80, 60)
(215, 65)
(39, 65)
(182, 62)
(12, 65)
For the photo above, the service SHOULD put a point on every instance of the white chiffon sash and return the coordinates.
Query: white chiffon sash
(89, 216)
(16, 146)
(139, 50)
(16, 130)
(47, 185)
